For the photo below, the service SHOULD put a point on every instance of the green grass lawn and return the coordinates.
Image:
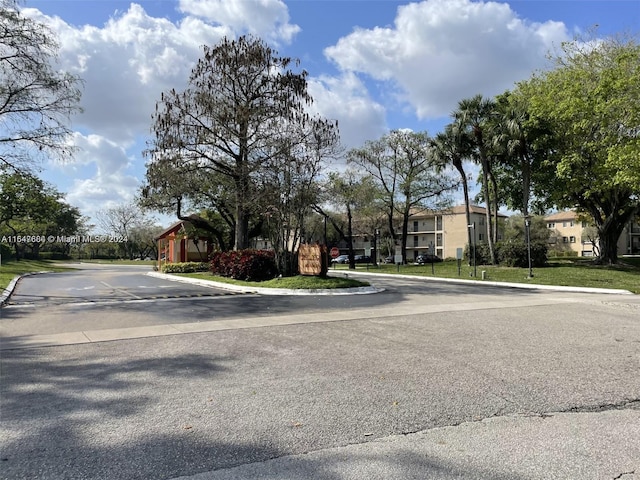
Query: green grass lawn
(565, 272)
(298, 282)
(11, 269)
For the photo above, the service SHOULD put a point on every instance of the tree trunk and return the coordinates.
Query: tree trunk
(467, 208)
(352, 261)
(467, 211)
(405, 233)
(610, 221)
(485, 192)
(609, 233)
(241, 241)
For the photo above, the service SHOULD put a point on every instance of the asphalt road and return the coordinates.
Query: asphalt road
(425, 380)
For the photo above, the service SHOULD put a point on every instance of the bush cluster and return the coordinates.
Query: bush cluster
(6, 252)
(248, 265)
(54, 256)
(185, 267)
(512, 254)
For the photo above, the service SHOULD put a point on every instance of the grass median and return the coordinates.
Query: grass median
(559, 271)
(297, 282)
(11, 269)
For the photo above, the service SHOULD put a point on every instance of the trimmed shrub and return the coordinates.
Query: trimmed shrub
(185, 267)
(248, 265)
(512, 254)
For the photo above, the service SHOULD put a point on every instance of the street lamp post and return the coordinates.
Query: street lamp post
(527, 228)
(472, 226)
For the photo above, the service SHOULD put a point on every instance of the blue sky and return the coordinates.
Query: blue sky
(373, 65)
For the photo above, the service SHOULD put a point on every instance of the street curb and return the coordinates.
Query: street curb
(528, 286)
(268, 291)
(6, 293)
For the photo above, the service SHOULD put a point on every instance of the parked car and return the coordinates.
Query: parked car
(389, 259)
(363, 259)
(340, 259)
(426, 258)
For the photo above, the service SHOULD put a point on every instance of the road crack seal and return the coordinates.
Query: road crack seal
(632, 472)
(633, 404)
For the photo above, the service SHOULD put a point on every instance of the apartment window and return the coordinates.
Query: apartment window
(565, 239)
(584, 224)
(571, 223)
(564, 224)
(439, 239)
(415, 241)
(415, 226)
(481, 222)
(551, 225)
(439, 222)
(572, 239)
(481, 237)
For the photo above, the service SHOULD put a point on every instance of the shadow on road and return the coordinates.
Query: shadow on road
(150, 415)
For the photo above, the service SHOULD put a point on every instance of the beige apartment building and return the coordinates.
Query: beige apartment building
(443, 233)
(570, 234)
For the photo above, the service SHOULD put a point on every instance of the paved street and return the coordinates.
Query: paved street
(424, 380)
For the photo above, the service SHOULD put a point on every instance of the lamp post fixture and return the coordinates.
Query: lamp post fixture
(472, 226)
(527, 228)
(376, 239)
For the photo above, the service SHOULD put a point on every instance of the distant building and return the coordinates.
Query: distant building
(570, 234)
(175, 245)
(439, 233)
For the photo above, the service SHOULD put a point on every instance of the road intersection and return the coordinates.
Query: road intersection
(424, 380)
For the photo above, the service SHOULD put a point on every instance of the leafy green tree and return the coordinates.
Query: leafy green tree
(36, 101)
(521, 145)
(473, 115)
(451, 148)
(29, 207)
(591, 101)
(230, 120)
(406, 174)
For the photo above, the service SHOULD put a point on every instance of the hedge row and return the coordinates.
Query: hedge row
(248, 265)
(185, 267)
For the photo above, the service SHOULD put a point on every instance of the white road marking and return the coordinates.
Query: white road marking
(121, 290)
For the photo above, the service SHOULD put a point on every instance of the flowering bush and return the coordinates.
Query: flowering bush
(249, 265)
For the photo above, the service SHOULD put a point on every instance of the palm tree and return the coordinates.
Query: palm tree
(472, 116)
(452, 147)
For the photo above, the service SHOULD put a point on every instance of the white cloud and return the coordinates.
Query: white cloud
(125, 65)
(346, 100)
(441, 51)
(268, 19)
(110, 182)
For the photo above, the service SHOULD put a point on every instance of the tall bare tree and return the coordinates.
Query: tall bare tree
(406, 173)
(126, 222)
(36, 101)
(229, 120)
